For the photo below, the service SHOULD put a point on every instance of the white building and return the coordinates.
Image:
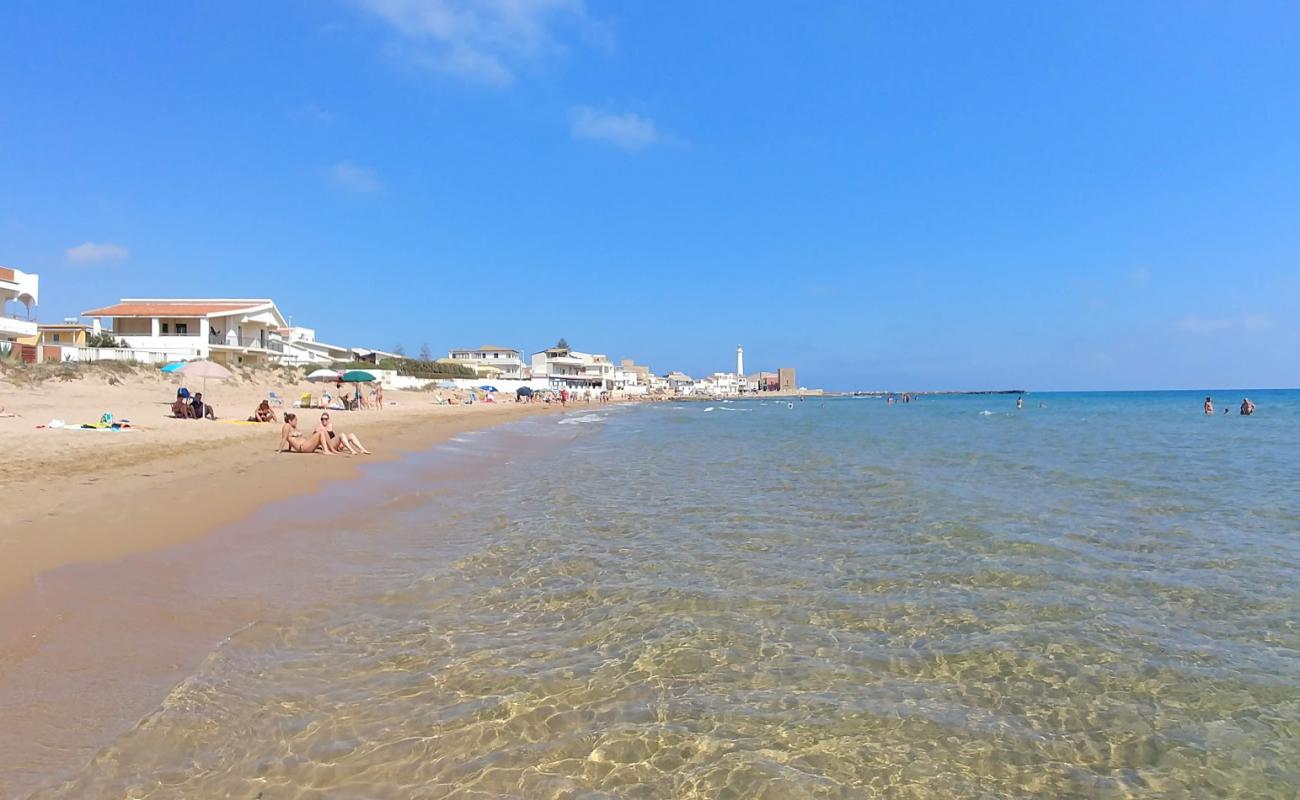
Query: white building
(24, 289)
(490, 361)
(229, 331)
(568, 369)
(299, 346)
(680, 382)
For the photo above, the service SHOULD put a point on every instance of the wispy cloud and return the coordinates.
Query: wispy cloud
(627, 131)
(314, 114)
(480, 41)
(96, 253)
(355, 177)
(1208, 326)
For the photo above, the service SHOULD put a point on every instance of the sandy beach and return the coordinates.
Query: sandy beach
(73, 624)
(95, 495)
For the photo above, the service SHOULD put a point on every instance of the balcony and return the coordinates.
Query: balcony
(14, 325)
(232, 340)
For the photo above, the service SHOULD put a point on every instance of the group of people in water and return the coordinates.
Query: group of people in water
(1247, 407)
(324, 439)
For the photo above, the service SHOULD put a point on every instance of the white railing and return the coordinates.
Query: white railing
(129, 354)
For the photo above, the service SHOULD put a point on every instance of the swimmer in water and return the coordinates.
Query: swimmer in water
(1020, 403)
(1209, 406)
(1247, 407)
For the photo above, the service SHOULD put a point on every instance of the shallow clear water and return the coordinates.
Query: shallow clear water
(836, 600)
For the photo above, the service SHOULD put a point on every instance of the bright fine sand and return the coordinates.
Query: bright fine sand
(77, 497)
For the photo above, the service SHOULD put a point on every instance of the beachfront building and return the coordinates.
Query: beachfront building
(785, 378)
(228, 331)
(62, 334)
(19, 292)
(680, 382)
(491, 362)
(563, 368)
(299, 346)
(719, 384)
(374, 356)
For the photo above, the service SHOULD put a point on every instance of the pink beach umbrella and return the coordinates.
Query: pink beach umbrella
(205, 370)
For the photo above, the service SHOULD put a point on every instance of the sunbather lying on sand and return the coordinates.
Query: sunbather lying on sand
(293, 441)
(338, 442)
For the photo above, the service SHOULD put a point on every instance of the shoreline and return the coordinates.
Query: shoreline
(90, 645)
(102, 496)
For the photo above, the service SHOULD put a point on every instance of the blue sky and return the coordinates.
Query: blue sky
(957, 195)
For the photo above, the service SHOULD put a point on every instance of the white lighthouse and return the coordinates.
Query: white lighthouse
(740, 361)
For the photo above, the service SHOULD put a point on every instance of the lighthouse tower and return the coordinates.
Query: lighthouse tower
(740, 361)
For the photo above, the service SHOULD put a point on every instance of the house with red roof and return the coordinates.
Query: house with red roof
(229, 331)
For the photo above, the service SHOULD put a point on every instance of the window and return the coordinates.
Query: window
(182, 329)
(164, 329)
(56, 338)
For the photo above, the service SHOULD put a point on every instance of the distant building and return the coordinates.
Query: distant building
(564, 368)
(229, 331)
(299, 346)
(65, 334)
(786, 380)
(490, 361)
(24, 289)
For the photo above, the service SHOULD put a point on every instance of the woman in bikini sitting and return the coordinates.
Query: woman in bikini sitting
(293, 441)
(338, 442)
(264, 413)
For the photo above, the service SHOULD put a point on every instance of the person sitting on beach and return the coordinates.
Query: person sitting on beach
(200, 408)
(264, 413)
(1247, 407)
(338, 442)
(1209, 406)
(181, 408)
(294, 442)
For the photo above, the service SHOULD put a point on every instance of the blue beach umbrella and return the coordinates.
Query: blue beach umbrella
(487, 388)
(172, 367)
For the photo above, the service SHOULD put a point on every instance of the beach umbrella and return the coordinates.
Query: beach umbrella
(447, 384)
(487, 388)
(204, 369)
(524, 391)
(358, 376)
(324, 376)
(172, 367)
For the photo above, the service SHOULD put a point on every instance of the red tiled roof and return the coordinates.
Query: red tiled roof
(167, 309)
(6, 274)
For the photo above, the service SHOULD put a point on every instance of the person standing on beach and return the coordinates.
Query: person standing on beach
(379, 396)
(1209, 406)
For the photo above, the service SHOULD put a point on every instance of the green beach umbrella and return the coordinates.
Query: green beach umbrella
(358, 376)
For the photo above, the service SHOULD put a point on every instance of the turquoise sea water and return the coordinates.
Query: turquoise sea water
(1096, 598)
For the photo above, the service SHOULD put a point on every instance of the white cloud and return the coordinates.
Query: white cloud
(481, 41)
(628, 131)
(355, 177)
(96, 252)
(1256, 322)
(314, 114)
(1207, 326)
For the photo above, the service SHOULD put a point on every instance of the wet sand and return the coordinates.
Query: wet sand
(125, 558)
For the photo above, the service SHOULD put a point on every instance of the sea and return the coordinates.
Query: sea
(1097, 596)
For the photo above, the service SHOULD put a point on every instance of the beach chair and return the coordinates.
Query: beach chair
(276, 400)
(304, 401)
